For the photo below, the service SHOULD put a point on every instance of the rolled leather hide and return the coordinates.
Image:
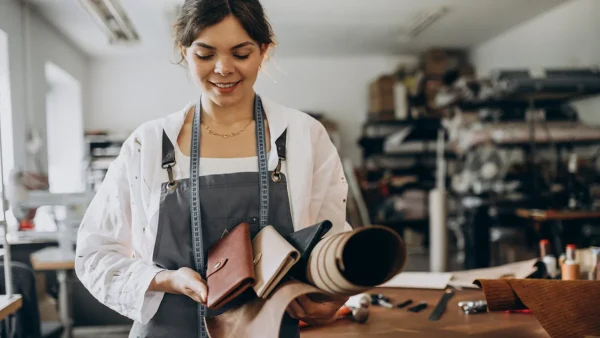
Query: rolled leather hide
(352, 262)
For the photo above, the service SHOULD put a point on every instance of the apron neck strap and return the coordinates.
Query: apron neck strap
(168, 157)
(168, 151)
(280, 144)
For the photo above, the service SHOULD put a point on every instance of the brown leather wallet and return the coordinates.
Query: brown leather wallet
(230, 270)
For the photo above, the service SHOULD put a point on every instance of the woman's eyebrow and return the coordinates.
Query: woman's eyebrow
(238, 46)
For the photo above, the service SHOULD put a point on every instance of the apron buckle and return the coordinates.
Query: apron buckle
(276, 175)
(172, 184)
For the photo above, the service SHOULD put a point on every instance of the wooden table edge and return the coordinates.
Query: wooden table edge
(12, 306)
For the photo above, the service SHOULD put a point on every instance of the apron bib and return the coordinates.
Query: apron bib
(225, 200)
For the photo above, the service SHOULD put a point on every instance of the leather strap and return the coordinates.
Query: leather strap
(168, 151)
(280, 144)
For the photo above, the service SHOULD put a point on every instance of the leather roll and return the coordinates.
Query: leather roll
(353, 262)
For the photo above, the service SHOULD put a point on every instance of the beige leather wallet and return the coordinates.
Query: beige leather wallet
(273, 258)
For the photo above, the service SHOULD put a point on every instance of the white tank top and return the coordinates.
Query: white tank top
(214, 166)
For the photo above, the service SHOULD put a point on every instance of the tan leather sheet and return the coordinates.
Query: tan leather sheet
(565, 309)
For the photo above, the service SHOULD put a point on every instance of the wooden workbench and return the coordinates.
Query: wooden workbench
(10, 305)
(393, 323)
(557, 215)
(52, 258)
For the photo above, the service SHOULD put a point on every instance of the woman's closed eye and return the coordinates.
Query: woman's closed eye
(242, 57)
(208, 57)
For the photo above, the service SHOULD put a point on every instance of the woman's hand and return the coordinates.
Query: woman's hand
(315, 311)
(184, 281)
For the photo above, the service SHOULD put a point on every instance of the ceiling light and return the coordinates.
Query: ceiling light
(422, 21)
(113, 20)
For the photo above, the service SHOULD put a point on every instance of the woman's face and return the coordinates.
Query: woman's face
(224, 62)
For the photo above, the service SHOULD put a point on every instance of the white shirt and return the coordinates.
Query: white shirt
(116, 238)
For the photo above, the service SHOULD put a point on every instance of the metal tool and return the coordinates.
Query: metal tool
(418, 307)
(360, 314)
(381, 300)
(472, 307)
(359, 300)
(441, 305)
(404, 304)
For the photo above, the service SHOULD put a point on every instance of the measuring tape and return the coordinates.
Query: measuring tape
(197, 238)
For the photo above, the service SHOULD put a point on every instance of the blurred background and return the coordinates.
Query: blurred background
(471, 127)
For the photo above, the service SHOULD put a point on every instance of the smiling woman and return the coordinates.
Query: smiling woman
(143, 242)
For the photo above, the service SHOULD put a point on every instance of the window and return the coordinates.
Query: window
(5, 114)
(64, 132)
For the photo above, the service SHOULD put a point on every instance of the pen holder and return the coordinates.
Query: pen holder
(352, 262)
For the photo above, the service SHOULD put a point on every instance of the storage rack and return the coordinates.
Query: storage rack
(101, 150)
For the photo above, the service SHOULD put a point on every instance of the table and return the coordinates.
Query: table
(63, 262)
(556, 217)
(10, 305)
(393, 323)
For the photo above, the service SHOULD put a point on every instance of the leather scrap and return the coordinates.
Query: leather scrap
(259, 318)
(565, 309)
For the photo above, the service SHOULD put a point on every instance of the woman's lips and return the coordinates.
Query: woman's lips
(225, 87)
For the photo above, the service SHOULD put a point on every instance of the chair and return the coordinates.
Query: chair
(26, 323)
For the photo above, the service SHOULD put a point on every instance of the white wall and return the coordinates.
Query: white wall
(29, 97)
(567, 36)
(127, 92)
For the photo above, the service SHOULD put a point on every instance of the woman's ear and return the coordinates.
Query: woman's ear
(264, 48)
(183, 51)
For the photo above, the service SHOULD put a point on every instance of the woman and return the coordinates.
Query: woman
(135, 251)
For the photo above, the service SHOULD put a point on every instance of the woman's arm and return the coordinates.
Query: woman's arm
(104, 261)
(329, 192)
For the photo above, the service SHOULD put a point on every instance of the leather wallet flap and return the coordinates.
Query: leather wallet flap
(217, 265)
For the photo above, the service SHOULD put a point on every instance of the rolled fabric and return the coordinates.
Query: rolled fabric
(353, 262)
(565, 309)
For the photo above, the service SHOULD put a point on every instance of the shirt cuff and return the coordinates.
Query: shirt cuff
(150, 301)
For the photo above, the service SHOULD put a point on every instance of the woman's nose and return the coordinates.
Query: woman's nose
(224, 67)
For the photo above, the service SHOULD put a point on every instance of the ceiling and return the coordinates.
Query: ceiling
(314, 27)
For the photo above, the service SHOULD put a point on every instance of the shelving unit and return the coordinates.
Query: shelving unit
(101, 151)
(528, 93)
(399, 158)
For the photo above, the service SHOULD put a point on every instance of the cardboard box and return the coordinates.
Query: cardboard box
(381, 103)
(381, 96)
(438, 61)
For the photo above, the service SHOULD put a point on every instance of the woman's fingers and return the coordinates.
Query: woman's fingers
(295, 310)
(193, 295)
(196, 285)
(199, 288)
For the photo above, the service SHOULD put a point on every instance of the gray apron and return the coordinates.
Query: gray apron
(226, 200)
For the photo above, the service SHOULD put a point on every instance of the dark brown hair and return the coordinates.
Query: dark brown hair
(196, 15)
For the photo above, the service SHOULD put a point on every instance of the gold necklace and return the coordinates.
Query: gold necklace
(210, 131)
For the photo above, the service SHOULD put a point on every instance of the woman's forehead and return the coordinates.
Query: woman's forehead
(224, 35)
